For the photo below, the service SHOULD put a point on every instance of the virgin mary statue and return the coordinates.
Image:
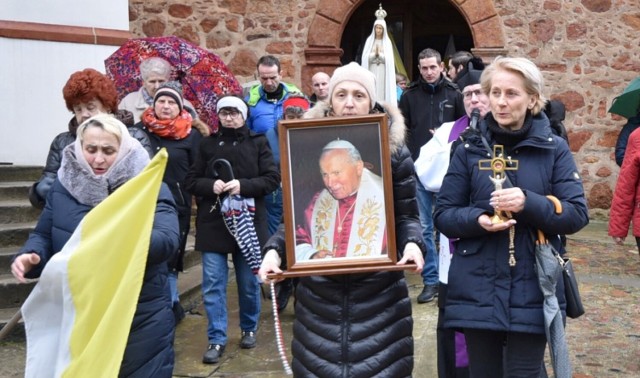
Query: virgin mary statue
(377, 57)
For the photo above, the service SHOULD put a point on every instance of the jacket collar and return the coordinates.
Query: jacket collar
(397, 129)
(539, 135)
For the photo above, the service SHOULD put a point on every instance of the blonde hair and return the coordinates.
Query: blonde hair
(106, 122)
(533, 79)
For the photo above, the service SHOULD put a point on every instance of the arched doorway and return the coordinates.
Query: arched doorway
(414, 25)
(424, 23)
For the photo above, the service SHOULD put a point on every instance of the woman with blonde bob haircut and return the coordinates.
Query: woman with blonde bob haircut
(533, 79)
(493, 291)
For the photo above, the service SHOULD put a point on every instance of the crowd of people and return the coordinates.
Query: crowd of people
(467, 233)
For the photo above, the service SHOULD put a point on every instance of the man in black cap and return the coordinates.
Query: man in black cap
(452, 351)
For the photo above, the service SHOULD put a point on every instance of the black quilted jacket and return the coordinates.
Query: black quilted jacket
(360, 325)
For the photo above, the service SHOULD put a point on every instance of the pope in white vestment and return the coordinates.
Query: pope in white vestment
(346, 218)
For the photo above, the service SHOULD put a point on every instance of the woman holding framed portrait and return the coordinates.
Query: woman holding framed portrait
(357, 324)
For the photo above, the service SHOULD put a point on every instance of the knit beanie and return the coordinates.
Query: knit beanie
(172, 89)
(232, 102)
(354, 72)
(297, 101)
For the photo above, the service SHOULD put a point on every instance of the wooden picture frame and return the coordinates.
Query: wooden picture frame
(311, 211)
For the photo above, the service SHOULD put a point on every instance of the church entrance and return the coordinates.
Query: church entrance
(339, 29)
(414, 26)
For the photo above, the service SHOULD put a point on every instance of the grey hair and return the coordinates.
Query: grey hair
(155, 65)
(533, 79)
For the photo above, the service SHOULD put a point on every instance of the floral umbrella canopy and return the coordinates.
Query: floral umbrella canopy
(203, 75)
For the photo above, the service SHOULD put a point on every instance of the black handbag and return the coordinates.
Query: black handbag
(571, 292)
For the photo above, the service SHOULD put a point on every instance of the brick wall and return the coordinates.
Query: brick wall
(588, 51)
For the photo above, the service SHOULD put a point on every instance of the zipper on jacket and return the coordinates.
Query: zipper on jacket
(345, 326)
(182, 201)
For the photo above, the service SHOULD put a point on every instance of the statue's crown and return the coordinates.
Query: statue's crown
(381, 13)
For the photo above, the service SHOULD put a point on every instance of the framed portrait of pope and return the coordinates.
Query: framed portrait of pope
(337, 195)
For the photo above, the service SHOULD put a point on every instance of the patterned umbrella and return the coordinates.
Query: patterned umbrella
(203, 75)
(238, 213)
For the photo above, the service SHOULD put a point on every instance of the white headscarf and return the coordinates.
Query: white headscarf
(77, 176)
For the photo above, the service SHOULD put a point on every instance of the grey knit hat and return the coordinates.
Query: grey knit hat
(172, 89)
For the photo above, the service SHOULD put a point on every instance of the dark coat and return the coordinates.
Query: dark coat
(149, 350)
(425, 107)
(360, 325)
(483, 291)
(182, 154)
(621, 144)
(64, 139)
(253, 166)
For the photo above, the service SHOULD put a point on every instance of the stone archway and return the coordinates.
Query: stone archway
(323, 41)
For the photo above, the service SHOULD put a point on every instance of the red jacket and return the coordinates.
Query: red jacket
(626, 198)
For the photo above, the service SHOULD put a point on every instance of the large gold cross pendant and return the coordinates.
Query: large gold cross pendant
(498, 165)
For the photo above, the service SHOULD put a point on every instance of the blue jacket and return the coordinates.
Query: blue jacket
(149, 350)
(621, 144)
(264, 114)
(484, 292)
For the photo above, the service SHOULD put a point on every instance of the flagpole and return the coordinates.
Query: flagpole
(10, 324)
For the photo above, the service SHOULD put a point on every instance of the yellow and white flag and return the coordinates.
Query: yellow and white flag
(78, 316)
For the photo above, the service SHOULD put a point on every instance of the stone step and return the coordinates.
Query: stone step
(15, 234)
(189, 284)
(6, 254)
(15, 190)
(13, 294)
(191, 258)
(17, 211)
(11, 291)
(20, 172)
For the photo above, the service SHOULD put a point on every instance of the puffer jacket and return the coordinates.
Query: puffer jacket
(624, 207)
(64, 139)
(360, 325)
(484, 292)
(149, 350)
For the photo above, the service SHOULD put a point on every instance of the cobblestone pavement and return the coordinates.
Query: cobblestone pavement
(605, 342)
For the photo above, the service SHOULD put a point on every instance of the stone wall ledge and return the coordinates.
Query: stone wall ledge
(63, 33)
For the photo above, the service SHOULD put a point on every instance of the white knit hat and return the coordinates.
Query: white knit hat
(354, 72)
